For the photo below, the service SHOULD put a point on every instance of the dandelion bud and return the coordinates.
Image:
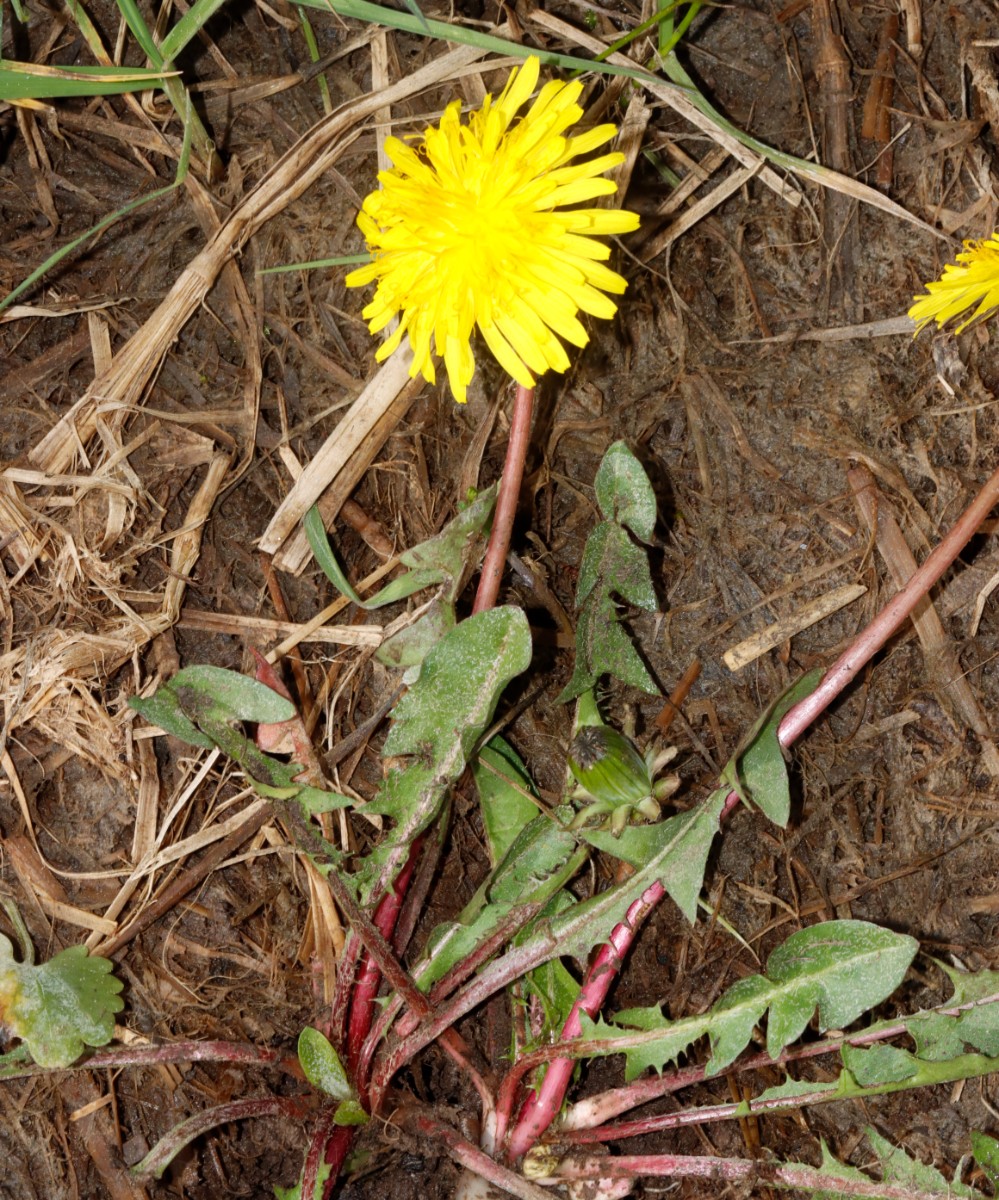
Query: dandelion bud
(608, 766)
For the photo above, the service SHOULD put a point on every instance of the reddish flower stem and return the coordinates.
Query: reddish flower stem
(317, 1154)
(506, 502)
(379, 959)
(362, 1003)
(338, 1146)
(542, 1107)
(336, 1143)
(892, 616)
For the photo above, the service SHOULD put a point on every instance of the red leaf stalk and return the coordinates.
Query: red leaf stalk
(541, 1107)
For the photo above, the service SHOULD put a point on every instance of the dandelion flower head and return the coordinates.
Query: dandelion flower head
(972, 280)
(470, 228)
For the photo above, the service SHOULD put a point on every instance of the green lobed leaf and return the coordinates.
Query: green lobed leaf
(898, 1168)
(442, 716)
(679, 845)
(552, 984)
(538, 862)
(447, 556)
(842, 1173)
(613, 565)
(164, 709)
(656, 1052)
(557, 990)
(939, 1036)
(624, 493)
(204, 705)
(229, 696)
(879, 1064)
(322, 1066)
(978, 1026)
(604, 648)
(936, 1036)
(453, 942)
(842, 968)
(58, 1007)
(758, 772)
(572, 932)
(504, 788)
(613, 569)
(734, 1018)
(793, 1089)
(408, 647)
(442, 559)
(536, 856)
(439, 721)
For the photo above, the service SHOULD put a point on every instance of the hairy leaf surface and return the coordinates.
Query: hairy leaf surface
(840, 968)
(58, 1007)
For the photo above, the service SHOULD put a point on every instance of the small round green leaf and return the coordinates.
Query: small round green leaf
(322, 1065)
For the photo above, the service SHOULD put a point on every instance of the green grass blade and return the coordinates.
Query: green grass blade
(346, 260)
(183, 164)
(417, 12)
(377, 14)
(669, 44)
(313, 48)
(174, 88)
(658, 18)
(188, 27)
(33, 81)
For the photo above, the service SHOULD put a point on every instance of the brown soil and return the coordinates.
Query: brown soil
(726, 374)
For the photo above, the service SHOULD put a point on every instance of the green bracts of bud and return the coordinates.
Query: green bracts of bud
(608, 767)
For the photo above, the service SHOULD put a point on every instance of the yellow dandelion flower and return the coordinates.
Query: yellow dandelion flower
(470, 228)
(972, 280)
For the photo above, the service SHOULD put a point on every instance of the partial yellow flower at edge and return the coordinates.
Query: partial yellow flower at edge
(469, 230)
(972, 280)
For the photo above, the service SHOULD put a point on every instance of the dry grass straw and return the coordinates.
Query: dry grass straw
(78, 521)
(675, 97)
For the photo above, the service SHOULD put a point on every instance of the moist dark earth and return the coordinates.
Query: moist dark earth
(750, 367)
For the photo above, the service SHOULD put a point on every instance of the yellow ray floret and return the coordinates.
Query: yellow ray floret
(971, 282)
(470, 230)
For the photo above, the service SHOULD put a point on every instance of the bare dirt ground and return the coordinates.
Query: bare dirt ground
(750, 368)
